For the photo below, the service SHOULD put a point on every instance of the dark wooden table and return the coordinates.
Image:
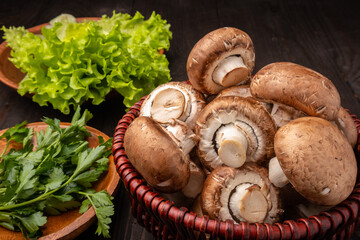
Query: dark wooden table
(322, 35)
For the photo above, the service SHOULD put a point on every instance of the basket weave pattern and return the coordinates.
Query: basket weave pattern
(166, 221)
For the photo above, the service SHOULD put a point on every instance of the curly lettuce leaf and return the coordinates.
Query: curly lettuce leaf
(71, 63)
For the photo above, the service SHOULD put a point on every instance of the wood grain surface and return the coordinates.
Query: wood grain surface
(322, 35)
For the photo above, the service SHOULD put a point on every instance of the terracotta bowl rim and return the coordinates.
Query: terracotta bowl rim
(81, 223)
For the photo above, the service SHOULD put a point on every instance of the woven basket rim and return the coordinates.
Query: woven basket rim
(325, 223)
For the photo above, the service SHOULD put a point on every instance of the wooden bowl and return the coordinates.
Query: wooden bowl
(9, 74)
(70, 224)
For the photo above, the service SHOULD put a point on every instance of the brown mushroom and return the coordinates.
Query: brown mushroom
(173, 100)
(242, 194)
(308, 209)
(298, 87)
(347, 126)
(232, 130)
(316, 158)
(158, 155)
(281, 113)
(196, 181)
(187, 195)
(239, 90)
(222, 58)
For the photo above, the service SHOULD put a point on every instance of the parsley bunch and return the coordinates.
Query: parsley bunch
(54, 177)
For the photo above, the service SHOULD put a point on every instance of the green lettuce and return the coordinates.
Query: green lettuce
(70, 63)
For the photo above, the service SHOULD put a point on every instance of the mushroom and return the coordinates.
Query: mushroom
(159, 154)
(232, 130)
(241, 194)
(308, 209)
(196, 181)
(316, 158)
(187, 195)
(222, 58)
(281, 113)
(176, 100)
(239, 90)
(298, 87)
(347, 126)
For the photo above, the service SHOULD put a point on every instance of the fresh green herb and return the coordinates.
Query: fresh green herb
(73, 62)
(53, 178)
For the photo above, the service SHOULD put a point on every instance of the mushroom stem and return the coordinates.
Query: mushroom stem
(183, 135)
(311, 209)
(276, 174)
(230, 71)
(196, 181)
(249, 203)
(169, 103)
(232, 145)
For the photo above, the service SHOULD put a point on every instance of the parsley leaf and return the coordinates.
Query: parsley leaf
(55, 177)
(104, 209)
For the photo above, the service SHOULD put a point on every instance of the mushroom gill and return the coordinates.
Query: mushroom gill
(173, 100)
(241, 194)
(233, 130)
(224, 57)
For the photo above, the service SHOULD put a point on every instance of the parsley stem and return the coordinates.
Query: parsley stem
(39, 198)
(6, 147)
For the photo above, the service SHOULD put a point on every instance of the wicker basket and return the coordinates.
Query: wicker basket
(166, 221)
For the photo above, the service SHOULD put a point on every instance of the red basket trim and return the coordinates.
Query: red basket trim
(295, 229)
(213, 227)
(354, 210)
(260, 231)
(281, 228)
(122, 167)
(244, 230)
(129, 174)
(140, 192)
(329, 222)
(189, 221)
(201, 223)
(311, 227)
(156, 201)
(349, 231)
(164, 208)
(179, 217)
(229, 229)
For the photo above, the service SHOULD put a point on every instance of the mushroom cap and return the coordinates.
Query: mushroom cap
(283, 114)
(238, 90)
(346, 124)
(317, 159)
(242, 91)
(156, 156)
(253, 119)
(194, 101)
(211, 49)
(297, 86)
(220, 185)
